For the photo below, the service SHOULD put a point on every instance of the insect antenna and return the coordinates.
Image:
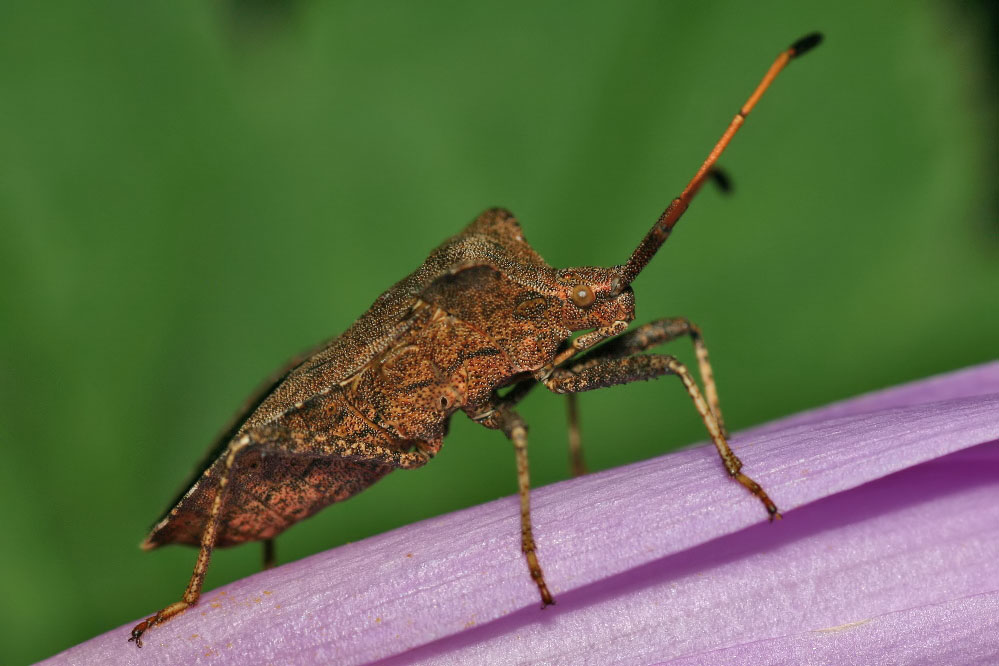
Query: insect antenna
(721, 179)
(660, 231)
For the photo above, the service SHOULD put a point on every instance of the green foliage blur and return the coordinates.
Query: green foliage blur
(193, 192)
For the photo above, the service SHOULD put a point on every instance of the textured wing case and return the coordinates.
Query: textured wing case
(284, 489)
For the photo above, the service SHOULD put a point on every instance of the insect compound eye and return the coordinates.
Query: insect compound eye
(582, 295)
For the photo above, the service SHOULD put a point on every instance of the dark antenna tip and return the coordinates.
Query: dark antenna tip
(806, 44)
(721, 179)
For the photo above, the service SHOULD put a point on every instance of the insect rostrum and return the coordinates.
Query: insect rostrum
(484, 312)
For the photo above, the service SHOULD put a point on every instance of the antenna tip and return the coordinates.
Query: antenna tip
(806, 44)
(721, 179)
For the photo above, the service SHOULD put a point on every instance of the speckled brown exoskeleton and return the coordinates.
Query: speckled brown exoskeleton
(484, 313)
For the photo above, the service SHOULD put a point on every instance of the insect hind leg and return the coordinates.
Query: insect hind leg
(269, 440)
(208, 537)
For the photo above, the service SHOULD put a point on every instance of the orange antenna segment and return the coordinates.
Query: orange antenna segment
(664, 225)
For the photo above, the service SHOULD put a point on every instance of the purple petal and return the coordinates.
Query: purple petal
(967, 383)
(962, 631)
(662, 559)
(843, 562)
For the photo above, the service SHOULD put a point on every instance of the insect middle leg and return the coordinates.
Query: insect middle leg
(504, 418)
(269, 554)
(597, 372)
(266, 440)
(577, 464)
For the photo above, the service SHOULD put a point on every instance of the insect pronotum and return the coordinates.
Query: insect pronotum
(484, 312)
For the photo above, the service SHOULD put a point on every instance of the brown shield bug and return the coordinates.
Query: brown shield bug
(483, 313)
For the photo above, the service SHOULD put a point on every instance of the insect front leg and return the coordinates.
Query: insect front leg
(597, 372)
(504, 418)
(660, 332)
(642, 339)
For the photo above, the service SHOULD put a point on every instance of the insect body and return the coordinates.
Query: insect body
(484, 312)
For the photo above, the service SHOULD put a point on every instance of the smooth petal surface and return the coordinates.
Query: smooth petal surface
(891, 530)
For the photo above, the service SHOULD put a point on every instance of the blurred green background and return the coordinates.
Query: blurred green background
(192, 192)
